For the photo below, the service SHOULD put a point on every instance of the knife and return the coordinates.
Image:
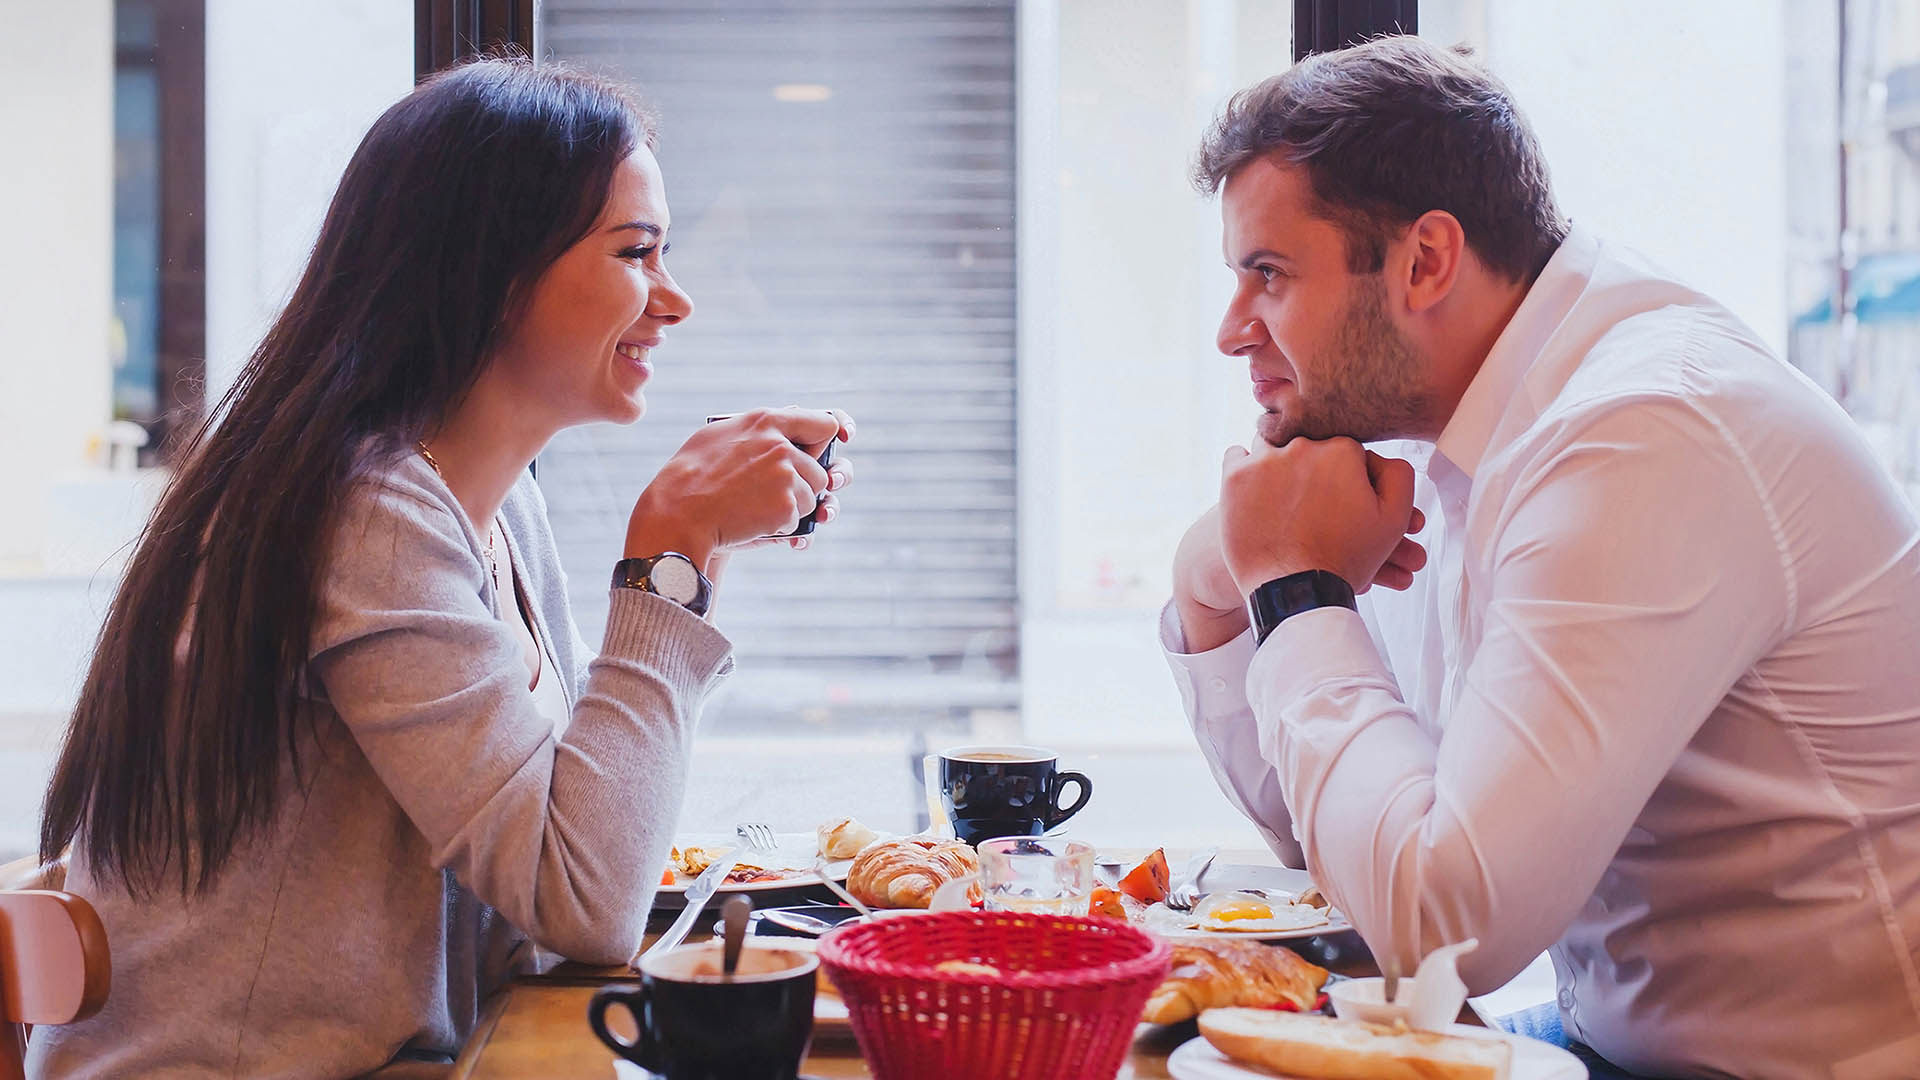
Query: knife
(697, 896)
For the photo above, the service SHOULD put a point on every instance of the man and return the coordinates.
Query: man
(1654, 705)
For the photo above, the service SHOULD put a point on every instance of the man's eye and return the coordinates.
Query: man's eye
(1268, 273)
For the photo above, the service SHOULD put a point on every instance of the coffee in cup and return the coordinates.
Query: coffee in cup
(1001, 790)
(697, 1023)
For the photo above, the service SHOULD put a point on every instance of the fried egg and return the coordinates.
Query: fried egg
(1251, 913)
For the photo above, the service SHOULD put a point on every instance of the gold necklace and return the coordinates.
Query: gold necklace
(493, 565)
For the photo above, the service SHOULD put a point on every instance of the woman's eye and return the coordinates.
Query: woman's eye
(637, 252)
(1268, 273)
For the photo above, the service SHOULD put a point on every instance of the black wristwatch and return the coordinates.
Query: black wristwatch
(1272, 603)
(670, 575)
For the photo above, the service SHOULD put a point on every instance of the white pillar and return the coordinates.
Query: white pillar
(1125, 406)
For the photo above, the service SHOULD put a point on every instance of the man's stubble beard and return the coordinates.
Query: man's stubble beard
(1371, 385)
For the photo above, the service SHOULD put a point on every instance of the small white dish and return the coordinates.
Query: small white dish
(1428, 1001)
(1366, 999)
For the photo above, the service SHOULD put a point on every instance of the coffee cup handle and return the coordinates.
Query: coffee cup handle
(1058, 813)
(634, 1000)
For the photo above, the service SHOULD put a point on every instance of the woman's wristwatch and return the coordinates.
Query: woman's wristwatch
(670, 575)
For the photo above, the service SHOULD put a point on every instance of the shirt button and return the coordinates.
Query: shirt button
(1566, 999)
(1217, 684)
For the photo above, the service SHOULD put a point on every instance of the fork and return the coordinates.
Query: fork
(754, 836)
(758, 835)
(1187, 893)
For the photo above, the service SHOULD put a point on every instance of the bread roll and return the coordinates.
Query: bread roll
(842, 838)
(966, 967)
(1216, 974)
(1314, 1047)
(905, 873)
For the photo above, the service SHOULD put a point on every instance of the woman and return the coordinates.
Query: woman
(341, 751)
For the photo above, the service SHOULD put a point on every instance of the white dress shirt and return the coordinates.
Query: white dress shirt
(1654, 705)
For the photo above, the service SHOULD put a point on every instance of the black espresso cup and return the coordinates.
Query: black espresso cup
(805, 527)
(696, 1023)
(990, 791)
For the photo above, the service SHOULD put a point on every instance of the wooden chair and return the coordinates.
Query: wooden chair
(54, 964)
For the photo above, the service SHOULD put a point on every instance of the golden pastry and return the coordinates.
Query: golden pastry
(1216, 974)
(905, 873)
(842, 838)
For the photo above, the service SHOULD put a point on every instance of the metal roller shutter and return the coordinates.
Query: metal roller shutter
(851, 248)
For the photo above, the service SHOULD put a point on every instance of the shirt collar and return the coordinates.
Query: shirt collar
(1469, 433)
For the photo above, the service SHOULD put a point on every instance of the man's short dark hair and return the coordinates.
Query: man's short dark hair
(1389, 130)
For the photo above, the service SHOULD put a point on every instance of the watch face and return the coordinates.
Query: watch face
(676, 579)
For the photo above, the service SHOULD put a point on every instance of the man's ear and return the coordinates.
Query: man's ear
(1439, 250)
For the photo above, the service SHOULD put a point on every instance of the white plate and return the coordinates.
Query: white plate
(792, 851)
(1335, 927)
(830, 1013)
(1157, 918)
(1229, 877)
(1532, 1059)
(1331, 926)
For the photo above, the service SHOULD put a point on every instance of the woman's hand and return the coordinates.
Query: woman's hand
(736, 481)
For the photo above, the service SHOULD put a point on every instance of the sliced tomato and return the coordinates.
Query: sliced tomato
(1106, 902)
(1147, 882)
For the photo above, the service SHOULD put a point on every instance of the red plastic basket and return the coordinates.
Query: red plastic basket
(1065, 1003)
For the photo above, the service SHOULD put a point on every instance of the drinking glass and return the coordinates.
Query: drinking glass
(1044, 874)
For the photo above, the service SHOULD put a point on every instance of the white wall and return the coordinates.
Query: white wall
(1667, 138)
(56, 277)
(291, 88)
(1125, 405)
(1664, 128)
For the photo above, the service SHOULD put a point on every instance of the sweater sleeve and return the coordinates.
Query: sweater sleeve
(565, 836)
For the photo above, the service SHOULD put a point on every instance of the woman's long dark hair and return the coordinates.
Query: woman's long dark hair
(458, 198)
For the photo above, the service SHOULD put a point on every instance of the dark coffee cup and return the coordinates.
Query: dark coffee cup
(990, 791)
(805, 527)
(697, 1024)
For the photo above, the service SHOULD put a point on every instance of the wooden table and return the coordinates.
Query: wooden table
(537, 1026)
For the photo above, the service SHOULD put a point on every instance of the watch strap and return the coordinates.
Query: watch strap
(1273, 603)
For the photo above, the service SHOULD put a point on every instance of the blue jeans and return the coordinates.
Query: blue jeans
(1543, 1022)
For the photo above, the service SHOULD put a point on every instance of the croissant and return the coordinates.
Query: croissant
(842, 838)
(1215, 974)
(905, 873)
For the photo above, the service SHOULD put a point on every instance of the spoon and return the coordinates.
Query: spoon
(733, 916)
(826, 879)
